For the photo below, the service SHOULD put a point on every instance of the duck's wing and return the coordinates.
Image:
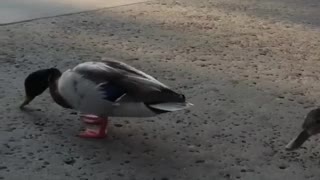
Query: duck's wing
(127, 83)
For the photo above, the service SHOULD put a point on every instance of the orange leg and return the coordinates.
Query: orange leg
(97, 134)
(91, 119)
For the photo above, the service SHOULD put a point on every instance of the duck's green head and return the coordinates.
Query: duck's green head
(37, 82)
(310, 126)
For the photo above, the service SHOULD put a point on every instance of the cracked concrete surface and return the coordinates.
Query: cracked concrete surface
(250, 68)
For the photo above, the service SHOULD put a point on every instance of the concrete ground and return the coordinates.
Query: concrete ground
(250, 67)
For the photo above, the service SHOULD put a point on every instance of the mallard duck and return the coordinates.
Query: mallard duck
(99, 90)
(310, 127)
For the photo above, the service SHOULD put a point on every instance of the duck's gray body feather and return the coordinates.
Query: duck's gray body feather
(112, 88)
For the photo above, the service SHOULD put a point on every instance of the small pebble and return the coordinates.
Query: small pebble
(118, 125)
(200, 161)
(70, 161)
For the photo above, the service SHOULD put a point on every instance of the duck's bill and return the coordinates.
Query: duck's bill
(298, 141)
(25, 102)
